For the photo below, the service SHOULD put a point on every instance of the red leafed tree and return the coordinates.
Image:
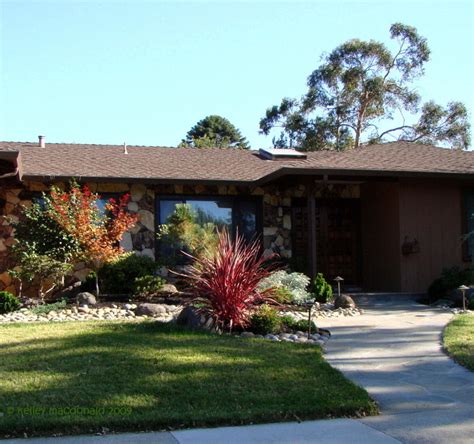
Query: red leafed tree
(98, 233)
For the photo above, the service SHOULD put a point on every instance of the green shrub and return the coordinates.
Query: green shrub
(282, 295)
(38, 232)
(8, 302)
(321, 289)
(292, 324)
(148, 285)
(265, 320)
(89, 283)
(46, 308)
(118, 277)
(450, 279)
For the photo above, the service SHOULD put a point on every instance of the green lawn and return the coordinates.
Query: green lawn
(459, 340)
(150, 376)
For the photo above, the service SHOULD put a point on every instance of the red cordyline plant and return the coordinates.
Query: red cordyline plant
(227, 281)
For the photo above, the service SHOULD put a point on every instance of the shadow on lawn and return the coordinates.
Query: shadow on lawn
(164, 376)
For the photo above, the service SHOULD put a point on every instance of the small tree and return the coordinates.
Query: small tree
(45, 271)
(98, 233)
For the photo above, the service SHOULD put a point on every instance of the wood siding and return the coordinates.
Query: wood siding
(430, 212)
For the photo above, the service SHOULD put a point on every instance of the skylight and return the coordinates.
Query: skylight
(281, 153)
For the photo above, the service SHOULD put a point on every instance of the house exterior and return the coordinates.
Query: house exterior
(385, 217)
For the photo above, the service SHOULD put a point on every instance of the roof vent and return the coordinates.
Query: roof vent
(281, 153)
(42, 141)
(125, 149)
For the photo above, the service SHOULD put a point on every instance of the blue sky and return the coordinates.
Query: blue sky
(145, 72)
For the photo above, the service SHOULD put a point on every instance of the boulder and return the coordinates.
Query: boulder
(148, 309)
(193, 318)
(344, 301)
(85, 298)
(168, 289)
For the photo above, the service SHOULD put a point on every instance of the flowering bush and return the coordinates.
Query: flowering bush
(294, 283)
(227, 282)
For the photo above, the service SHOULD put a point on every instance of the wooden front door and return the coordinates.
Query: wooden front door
(337, 238)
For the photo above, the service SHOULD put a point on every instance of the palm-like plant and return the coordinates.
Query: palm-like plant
(226, 283)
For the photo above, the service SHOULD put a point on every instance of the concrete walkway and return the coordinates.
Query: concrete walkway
(394, 351)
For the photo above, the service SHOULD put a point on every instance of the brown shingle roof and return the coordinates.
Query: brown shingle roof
(109, 162)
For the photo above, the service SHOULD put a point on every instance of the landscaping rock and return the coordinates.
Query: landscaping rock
(86, 298)
(168, 288)
(247, 334)
(344, 301)
(147, 309)
(191, 317)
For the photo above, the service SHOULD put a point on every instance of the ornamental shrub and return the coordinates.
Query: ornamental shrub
(450, 279)
(321, 289)
(227, 282)
(46, 308)
(118, 277)
(295, 283)
(292, 324)
(8, 302)
(265, 320)
(148, 285)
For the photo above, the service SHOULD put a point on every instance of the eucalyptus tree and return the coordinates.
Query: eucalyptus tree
(362, 93)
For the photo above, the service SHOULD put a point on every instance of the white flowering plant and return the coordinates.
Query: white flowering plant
(295, 284)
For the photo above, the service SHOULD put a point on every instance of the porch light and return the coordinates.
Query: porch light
(463, 289)
(339, 279)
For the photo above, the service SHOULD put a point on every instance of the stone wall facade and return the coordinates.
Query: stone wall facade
(276, 217)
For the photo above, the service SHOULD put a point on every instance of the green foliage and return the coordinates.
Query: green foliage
(39, 233)
(8, 302)
(46, 308)
(265, 320)
(148, 285)
(214, 132)
(282, 295)
(294, 283)
(89, 283)
(182, 232)
(118, 277)
(359, 87)
(321, 289)
(450, 279)
(291, 323)
(37, 269)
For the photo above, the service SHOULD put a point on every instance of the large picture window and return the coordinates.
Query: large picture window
(212, 213)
